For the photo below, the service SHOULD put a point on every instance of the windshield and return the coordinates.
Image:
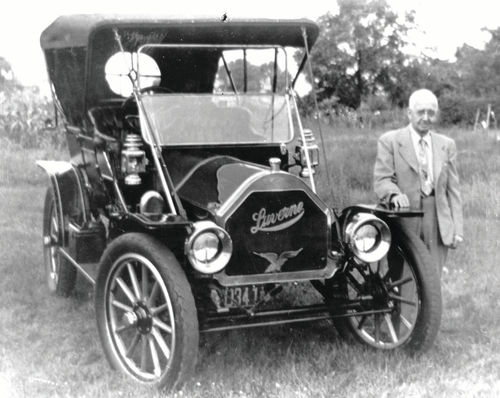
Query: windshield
(217, 94)
(206, 119)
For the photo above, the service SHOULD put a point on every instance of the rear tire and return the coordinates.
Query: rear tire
(406, 292)
(146, 314)
(59, 273)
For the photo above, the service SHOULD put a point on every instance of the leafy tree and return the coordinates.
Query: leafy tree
(359, 52)
(439, 76)
(7, 80)
(259, 77)
(478, 69)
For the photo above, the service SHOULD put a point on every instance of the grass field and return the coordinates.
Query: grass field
(49, 346)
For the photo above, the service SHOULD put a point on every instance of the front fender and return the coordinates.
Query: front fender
(378, 210)
(71, 199)
(383, 211)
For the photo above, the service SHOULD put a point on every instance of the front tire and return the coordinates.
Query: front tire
(404, 311)
(146, 313)
(59, 273)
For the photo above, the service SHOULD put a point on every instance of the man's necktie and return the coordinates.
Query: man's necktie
(425, 177)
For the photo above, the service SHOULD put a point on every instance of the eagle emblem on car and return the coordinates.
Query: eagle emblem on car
(276, 261)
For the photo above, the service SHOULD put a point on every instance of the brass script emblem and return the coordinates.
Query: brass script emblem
(284, 218)
(275, 261)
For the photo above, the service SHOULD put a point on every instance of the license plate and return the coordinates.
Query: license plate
(243, 296)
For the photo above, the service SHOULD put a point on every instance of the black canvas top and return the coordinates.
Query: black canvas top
(76, 30)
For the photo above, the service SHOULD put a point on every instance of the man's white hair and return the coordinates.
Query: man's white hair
(422, 95)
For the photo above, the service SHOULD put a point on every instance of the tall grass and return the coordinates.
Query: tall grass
(27, 118)
(17, 163)
(49, 346)
(351, 155)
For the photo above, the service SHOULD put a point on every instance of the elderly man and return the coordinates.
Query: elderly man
(416, 167)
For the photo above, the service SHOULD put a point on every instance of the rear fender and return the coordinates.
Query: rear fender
(71, 200)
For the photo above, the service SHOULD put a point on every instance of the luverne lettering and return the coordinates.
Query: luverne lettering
(284, 218)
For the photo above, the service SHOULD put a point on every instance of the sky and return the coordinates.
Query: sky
(446, 24)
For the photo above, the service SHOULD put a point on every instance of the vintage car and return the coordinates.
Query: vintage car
(190, 198)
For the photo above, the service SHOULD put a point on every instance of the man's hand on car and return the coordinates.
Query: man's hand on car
(400, 200)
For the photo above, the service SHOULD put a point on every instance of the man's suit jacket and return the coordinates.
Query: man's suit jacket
(396, 171)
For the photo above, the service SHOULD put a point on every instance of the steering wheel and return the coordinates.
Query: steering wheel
(129, 106)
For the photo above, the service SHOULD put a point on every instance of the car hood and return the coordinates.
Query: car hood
(207, 181)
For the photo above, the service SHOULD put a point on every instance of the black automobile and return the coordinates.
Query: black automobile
(189, 201)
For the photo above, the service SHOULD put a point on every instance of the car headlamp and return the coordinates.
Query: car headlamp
(368, 237)
(209, 247)
(206, 247)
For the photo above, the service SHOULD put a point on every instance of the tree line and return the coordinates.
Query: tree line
(361, 60)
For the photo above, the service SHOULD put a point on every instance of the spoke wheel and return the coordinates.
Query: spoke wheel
(396, 297)
(145, 312)
(59, 274)
(397, 301)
